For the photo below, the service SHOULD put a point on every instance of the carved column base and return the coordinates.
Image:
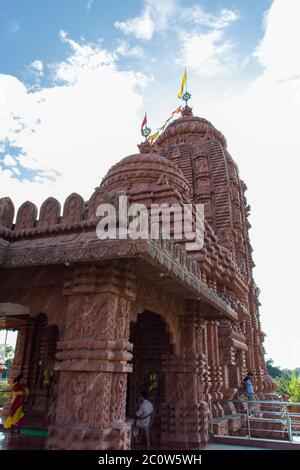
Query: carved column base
(184, 423)
(116, 437)
(217, 409)
(228, 407)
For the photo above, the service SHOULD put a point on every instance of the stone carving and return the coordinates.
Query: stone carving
(84, 325)
(49, 213)
(123, 318)
(77, 410)
(26, 217)
(179, 388)
(73, 209)
(102, 400)
(118, 397)
(100, 196)
(7, 212)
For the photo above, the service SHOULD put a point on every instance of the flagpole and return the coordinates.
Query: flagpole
(185, 80)
(186, 95)
(145, 130)
(185, 86)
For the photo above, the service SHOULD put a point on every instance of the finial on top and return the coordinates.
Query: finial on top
(145, 130)
(184, 95)
(145, 147)
(186, 111)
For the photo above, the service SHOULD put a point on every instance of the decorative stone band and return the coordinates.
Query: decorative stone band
(191, 125)
(52, 229)
(86, 247)
(232, 342)
(3, 250)
(179, 269)
(95, 356)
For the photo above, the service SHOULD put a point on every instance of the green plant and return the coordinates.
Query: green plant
(7, 353)
(273, 371)
(282, 384)
(4, 397)
(294, 387)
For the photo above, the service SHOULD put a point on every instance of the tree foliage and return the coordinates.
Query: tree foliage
(273, 371)
(282, 385)
(287, 381)
(294, 387)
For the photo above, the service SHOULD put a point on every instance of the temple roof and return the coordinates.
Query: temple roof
(189, 124)
(144, 171)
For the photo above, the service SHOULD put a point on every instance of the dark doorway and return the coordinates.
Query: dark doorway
(151, 347)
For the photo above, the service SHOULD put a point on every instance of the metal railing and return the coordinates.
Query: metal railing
(265, 419)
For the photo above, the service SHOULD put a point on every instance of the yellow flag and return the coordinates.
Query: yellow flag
(153, 136)
(182, 84)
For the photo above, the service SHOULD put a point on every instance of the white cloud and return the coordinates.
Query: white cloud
(279, 50)
(86, 60)
(9, 160)
(125, 50)
(5, 174)
(38, 66)
(154, 17)
(16, 170)
(78, 127)
(198, 33)
(203, 46)
(196, 14)
(141, 27)
(206, 53)
(89, 4)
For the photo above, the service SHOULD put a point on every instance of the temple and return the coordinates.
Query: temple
(111, 317)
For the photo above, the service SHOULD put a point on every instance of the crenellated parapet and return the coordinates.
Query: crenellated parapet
(51, 220)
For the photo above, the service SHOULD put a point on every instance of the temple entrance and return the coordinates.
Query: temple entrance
(7, 352)
(151, 346)
(35, 349)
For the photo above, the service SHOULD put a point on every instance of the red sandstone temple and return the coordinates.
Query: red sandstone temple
(111, 317)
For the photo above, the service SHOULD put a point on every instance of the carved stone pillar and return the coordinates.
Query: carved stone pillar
(250, 353)
(214, 368)
(30, 342)
(184, 413)
(232, 358)
(17, 366)
(93, 360)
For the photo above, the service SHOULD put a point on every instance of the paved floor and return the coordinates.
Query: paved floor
(214, 446)
(20, 442)
(16, 442)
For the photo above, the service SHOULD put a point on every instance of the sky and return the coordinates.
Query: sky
(76, 77)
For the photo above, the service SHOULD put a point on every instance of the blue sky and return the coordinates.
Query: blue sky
(76, 77)
(30, 29)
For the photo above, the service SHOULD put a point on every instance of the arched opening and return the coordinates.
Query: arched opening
(12, 315)
(151, 351)
(34, 357)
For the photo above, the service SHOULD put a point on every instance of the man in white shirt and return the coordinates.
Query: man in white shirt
(143, 417)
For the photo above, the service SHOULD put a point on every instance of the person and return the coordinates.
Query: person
(247, 381)
(16, 415)
(143, 417)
